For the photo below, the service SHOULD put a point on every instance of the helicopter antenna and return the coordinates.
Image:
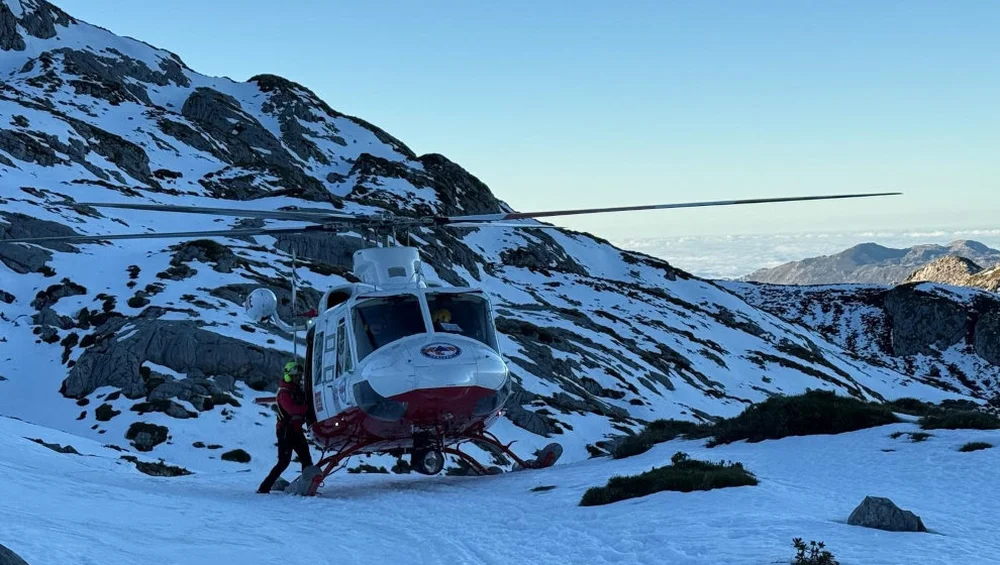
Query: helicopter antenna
(295, 324)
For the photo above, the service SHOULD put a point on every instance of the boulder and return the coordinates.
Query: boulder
(146, 436)
(882, 514)
(8, 557)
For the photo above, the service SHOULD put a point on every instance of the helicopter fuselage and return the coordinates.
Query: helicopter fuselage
(406, 367)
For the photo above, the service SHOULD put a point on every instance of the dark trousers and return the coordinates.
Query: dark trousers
(289, 440)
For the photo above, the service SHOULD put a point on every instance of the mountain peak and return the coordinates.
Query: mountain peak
(36, 18)
(950, 269)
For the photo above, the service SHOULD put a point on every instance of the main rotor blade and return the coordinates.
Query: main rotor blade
(158, 235)
(446, 220)
(500, 225)
(293, 215)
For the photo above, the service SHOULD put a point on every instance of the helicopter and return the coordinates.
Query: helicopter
(393, 363)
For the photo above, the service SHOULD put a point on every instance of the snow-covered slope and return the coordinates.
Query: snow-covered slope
(98, 337)
(62, 509)
(945, 336)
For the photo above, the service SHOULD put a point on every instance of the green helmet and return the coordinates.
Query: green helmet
(292, 369)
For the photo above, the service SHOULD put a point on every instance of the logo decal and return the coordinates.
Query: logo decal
(440, 351)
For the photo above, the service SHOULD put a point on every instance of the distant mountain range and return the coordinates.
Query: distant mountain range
(870, 263)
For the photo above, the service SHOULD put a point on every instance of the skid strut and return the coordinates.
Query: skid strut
(328, 465)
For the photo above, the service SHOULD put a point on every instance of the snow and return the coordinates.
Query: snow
(15, 7)
(808, 487)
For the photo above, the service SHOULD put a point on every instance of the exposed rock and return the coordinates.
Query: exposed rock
(54, 293)
(221, 257)
(882, 514)
(923, 323)
(105, 412)
(68, 449)
(146, 436)
(543, 255)
(950, 269)
(987, 279)
(237, 456)
(113, 74)
(10, 39)
(332, 249)
(987, 337)
(180, 345)
(168, 407)
(23, 258)
(41, 18)
(8, 557)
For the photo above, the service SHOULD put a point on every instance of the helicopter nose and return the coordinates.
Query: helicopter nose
(439, 371)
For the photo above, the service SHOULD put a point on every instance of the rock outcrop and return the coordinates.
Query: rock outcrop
(941, 334)
(958, 271)
(8, 557)
(120, 349)
(882, 514)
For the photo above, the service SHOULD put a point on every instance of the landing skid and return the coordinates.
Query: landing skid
(314, 477)
(546, 457)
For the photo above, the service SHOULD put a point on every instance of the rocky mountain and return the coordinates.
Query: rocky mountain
(957, 271)
(870, 263)
(944, 336)
(142, 344)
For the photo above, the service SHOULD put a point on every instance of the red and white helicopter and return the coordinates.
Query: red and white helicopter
(394, 364)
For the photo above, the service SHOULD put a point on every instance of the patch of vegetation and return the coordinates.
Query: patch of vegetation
(659, 431)
(683, 475)
(815, 412)
(237, 456)
(543, 488)
(911, 406)
(813, 554)
(917, 437)
(960, 420)
(975, 446)
(159, 469)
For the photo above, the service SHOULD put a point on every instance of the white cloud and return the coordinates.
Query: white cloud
(732, 256)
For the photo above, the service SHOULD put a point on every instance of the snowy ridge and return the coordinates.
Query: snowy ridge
(600, 340)
(887, 326)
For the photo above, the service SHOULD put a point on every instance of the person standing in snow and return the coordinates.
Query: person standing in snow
(292, 413)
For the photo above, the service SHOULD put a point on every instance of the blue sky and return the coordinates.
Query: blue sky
(566, 104)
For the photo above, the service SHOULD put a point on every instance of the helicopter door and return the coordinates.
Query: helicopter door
(345, 362)
(329, 384)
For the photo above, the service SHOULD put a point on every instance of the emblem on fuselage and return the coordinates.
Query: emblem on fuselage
(440, 351)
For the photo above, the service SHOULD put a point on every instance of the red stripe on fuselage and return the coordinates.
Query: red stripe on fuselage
(446, 410)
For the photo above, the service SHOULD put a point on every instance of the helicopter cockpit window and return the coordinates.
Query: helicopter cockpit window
(465, 314)
(380, 321)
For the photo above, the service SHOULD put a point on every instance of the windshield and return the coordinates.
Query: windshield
(465, 314)
(380, 321)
